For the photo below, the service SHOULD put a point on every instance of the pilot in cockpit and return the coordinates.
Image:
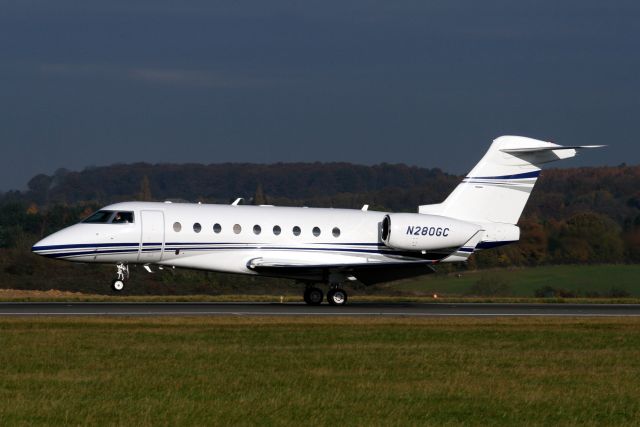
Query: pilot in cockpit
(119, 219)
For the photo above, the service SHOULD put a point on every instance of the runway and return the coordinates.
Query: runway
(300, 309)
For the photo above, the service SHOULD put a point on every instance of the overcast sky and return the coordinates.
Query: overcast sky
(426, 83)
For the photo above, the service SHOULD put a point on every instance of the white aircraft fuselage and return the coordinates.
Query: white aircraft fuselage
(228, 238)
(316, 245)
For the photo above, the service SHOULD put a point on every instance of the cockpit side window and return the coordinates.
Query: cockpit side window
(122, 218)
(100, 217)
(110, 217)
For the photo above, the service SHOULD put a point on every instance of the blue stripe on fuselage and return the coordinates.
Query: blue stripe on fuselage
(71, 254)
(83, 245)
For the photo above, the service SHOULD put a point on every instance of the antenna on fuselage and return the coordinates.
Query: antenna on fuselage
(365, 208)
(237, 201)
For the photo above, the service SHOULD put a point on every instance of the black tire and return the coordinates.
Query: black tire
(313, 296)
(337, 296)
(330, 296)
(117, 285)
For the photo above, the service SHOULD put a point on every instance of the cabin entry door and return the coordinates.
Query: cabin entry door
(152, 236)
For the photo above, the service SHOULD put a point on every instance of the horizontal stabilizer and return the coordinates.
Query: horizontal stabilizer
(541, 149)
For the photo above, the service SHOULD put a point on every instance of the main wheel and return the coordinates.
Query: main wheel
(117, 285)
(337, 296)
(313, 296)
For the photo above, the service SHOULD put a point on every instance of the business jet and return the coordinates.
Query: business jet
(317, 246)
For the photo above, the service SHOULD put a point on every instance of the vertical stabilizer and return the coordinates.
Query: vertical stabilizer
(498, 187)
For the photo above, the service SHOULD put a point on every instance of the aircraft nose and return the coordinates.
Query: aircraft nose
(48, 245)
(39, 247)
(58, 244)
(35, 247)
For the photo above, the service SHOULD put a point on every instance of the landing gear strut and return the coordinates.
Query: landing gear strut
(123, 273)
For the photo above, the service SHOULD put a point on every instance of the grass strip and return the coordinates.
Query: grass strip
(10, 295)
(351, 371)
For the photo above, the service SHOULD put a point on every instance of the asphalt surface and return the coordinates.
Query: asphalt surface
(300, 309)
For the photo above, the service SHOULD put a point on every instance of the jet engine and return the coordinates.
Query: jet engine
(420, 232)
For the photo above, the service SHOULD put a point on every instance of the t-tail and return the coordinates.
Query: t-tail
(496, 190)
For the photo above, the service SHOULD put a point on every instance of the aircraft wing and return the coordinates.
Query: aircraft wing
(367, 273)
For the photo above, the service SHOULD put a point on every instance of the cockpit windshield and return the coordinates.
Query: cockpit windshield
(100, 217)
(110, 217)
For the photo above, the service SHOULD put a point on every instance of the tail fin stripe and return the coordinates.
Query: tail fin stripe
(512, 186)
(533, 174)
(500, 182)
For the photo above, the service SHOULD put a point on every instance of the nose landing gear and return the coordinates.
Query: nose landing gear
(123, 273)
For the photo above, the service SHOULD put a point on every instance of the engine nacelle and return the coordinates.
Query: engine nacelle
(420, 232)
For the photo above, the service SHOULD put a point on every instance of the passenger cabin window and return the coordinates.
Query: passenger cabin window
(316, 231)
(276, 230)
(177, 227)
(237, 229)
(296, 231)
(217, 228)
(197, 227)
(335, 232)
(257, 229)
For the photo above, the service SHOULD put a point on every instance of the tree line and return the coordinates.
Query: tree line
(578, 215)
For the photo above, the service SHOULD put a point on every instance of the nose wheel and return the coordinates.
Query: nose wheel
(117, 285)
(122, 272)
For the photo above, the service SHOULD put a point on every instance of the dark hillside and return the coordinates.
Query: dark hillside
(225, 182)
(575, 216)
(560, 193)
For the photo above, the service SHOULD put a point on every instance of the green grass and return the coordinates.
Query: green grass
(369, 371)
(581, 280)
(353, 298)
(523, 282)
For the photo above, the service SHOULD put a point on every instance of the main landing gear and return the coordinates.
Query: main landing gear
(313, 296)
(123, 273)
(335, 295)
